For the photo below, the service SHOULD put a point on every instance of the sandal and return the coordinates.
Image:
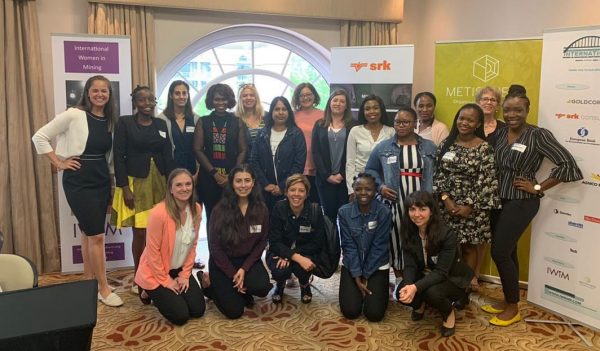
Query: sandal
(277, 296)
(305, 293)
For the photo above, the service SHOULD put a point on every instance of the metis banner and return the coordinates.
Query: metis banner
(564, 274)
(75, 59)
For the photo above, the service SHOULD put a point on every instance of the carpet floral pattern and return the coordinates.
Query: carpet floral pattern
(320, 326)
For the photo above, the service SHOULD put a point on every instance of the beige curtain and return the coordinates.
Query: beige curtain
(356, 33)
(136, 22)
(27, 216)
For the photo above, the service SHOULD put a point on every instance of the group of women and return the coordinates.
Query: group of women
(406, 193)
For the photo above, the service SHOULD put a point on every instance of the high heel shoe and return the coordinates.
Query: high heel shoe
(447, 331)
(305, 293)
(277, 296)
(143, 295)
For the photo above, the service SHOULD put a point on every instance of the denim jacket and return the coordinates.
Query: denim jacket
(364, 238)
(382, 163)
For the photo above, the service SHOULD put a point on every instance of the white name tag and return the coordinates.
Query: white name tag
(189, 129)
(255, 228)
(449, 156)
(519, 147)
(305, 229)
(162, 134)
(372, 225)
(392, 159)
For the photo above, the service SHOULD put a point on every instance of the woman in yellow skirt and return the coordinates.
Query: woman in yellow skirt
(143, 159)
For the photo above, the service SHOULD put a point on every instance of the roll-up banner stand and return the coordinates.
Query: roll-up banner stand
(564, 270)
(75, 59)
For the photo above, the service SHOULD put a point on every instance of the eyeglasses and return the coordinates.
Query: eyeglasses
(307, 96)
(487, 99)
(403, 123)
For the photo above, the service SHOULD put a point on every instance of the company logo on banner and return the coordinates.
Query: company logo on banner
(486, 68)
(385, 71)
(569, 107)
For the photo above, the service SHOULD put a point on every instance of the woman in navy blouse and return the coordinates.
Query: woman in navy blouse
(279, 151)
(364, 230)
(520, 150)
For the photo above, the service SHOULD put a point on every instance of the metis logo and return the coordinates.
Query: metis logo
(486, 68)
(575, 224)
(385, 65)
(584, 47)
(557, 273)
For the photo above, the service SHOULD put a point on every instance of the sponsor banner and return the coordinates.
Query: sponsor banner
(391, 64)
(461, 68)
(75, 59)
(564, 260)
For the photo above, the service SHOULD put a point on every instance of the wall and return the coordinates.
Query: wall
(177, 29)
(64, 16)
(428, 21)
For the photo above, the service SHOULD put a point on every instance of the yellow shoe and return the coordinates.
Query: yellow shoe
(503, 323)
(491, 309)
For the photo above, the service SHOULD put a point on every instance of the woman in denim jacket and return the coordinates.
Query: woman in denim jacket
(364, 226)
(401, 165)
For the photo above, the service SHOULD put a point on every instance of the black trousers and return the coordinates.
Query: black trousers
(280, 275)
(352, 303)
(509, 223)
(333, 196)
(227, 299)
(178, 308)
(439, 296)
(313, 196)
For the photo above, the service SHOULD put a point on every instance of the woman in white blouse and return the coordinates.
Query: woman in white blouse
(375, 126)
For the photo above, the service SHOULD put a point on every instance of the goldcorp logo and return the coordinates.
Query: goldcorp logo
(385, 65)
(584, 101)
(582, 48)
(486, 68)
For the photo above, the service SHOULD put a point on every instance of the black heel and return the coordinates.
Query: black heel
(305, 293)
(277, 296)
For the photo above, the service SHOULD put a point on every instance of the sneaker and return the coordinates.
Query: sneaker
(134, 289)
(112, 300)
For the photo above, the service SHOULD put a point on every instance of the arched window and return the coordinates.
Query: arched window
(272, 58)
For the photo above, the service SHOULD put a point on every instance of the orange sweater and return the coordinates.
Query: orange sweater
(155, 263)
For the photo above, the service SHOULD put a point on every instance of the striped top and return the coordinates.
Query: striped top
(524, 158)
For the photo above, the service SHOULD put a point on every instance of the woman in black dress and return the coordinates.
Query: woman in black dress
(219, 143)
(84, 146)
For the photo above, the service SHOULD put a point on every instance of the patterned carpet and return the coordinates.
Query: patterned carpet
(320, 326)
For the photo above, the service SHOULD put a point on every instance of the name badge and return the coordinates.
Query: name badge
(392, 159)
(372, 225)
(162, 134)
(255, 228)
(189, 129)
(519, 147)
(449, 156)
(305, 229)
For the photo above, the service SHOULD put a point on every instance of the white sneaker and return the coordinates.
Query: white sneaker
(112, 300)
(134, 289)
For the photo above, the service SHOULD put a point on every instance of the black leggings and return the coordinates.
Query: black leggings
(352, 303)
(508, 226)
(439, 296)
(178, 308)
(227, 299)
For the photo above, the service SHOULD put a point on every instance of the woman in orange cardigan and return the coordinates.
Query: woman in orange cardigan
(165, 268)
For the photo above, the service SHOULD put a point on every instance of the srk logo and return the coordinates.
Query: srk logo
(385, 65)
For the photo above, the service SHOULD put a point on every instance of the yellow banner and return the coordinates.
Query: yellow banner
(462, 68)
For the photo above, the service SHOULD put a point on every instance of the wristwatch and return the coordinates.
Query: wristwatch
(444, 196)
(538, 190)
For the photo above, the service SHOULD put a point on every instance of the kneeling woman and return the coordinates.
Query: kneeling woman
(364, 230)
(166, 265)
(433, 271)
(237, 236)
(295, 237)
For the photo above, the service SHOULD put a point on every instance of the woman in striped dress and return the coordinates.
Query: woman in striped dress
(401, 165)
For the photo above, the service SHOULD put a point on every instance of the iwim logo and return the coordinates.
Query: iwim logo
(584, 47)
(384, 65)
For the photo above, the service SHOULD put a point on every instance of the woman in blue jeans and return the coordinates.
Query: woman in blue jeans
(295, 237)
(364, 231)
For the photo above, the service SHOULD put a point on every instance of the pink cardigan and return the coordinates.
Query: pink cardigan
(155, 263)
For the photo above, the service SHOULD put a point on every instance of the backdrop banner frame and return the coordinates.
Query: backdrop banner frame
(75, 58)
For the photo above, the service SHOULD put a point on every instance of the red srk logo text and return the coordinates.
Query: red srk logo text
(567, 115)
(385, 65)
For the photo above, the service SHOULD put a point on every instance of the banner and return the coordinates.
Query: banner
(386, 71)
(564, 274)
(75, 59)
(461, 68)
